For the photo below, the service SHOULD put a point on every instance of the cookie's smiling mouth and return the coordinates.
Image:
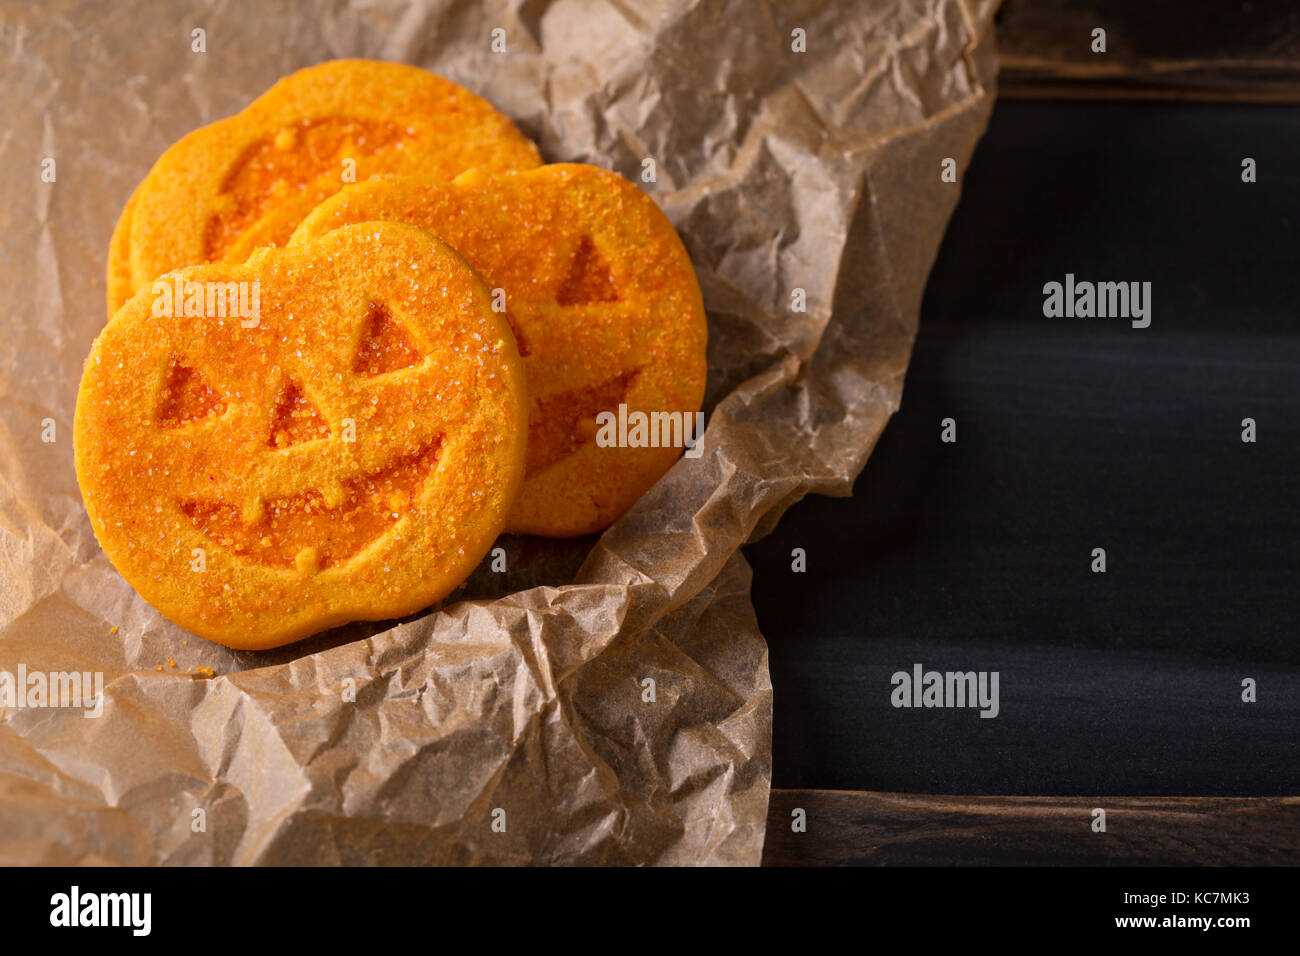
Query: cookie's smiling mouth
(301, 531)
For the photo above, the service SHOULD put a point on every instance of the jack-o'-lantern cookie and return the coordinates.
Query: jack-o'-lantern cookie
(248, 180)
(120, 283)
(606, 310)
(322, 434)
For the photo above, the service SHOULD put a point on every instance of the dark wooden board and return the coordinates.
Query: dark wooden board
(1155, 49)
(859, 828)
(1073, 433)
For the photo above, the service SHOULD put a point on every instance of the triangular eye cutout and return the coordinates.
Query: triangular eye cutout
(385, 346)
(186, 397)
(296, 419)
(589, 279)
(557, 429)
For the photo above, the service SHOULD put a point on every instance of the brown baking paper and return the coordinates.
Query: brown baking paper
(525, 703)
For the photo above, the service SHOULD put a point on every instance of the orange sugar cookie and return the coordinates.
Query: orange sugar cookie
(120, 283)
(246, 181)
(606, 311)
(322, 434)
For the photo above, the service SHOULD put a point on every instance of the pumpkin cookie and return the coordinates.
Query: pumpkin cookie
(322, 434)
(120, 283)
(246, 181)
(607, 314)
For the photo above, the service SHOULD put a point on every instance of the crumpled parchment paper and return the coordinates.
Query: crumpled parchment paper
(514, 725)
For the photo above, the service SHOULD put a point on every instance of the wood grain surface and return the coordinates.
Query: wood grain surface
(972, 556)
(859, 828)
(1238, 51)
(1157, 50)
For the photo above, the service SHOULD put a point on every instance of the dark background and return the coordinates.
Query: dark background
(1073, 434)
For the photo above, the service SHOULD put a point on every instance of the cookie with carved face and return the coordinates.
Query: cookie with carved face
(606, 310)
(322, 434)
(248, 180)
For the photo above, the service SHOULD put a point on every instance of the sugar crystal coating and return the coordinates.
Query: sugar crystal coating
(350, 456)
(247, 181)
(603, 303)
